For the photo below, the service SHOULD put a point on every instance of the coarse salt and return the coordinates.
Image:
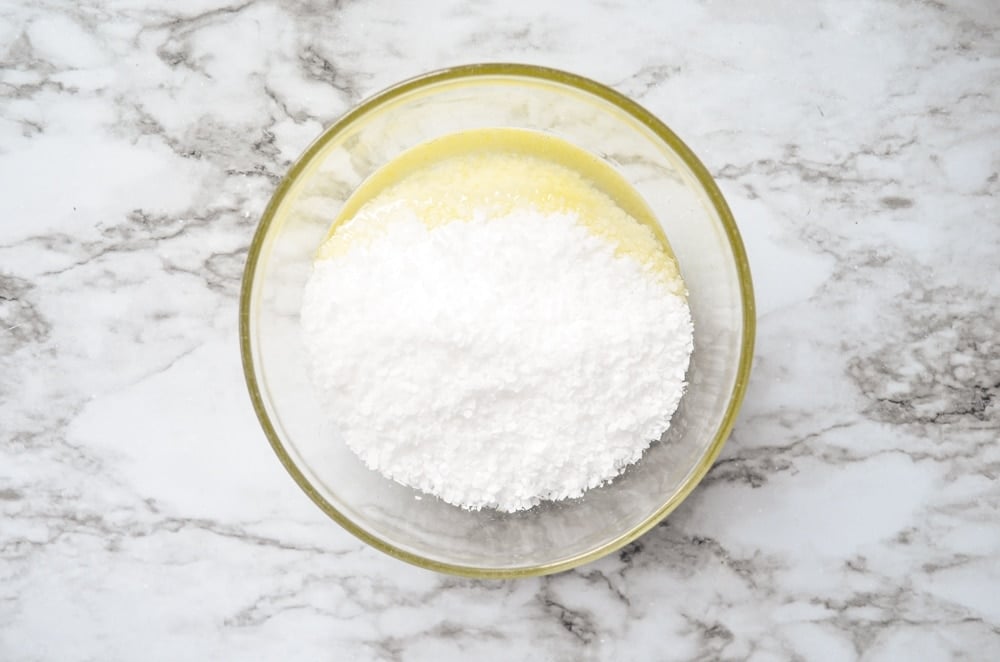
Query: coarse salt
(495, 362)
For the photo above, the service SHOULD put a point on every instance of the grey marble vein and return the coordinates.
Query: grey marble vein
(854, 514)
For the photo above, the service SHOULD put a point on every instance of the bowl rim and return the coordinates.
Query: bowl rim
(636, 111)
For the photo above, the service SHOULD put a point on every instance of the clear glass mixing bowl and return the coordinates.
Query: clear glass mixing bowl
(421, 529)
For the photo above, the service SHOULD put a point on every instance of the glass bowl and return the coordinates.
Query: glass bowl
(422, 529)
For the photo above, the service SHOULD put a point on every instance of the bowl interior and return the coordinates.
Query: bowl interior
(422, 529)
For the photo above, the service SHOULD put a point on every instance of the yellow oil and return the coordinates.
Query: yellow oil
(493, 172)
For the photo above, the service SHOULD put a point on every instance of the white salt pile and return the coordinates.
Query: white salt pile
(495, 362)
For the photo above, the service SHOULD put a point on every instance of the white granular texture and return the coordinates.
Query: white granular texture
(498, 362)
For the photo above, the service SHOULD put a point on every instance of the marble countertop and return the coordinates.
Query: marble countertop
(855, 512)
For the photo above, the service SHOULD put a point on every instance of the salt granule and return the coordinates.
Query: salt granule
(498, 362)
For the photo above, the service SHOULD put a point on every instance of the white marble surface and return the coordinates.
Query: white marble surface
(855, 513)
